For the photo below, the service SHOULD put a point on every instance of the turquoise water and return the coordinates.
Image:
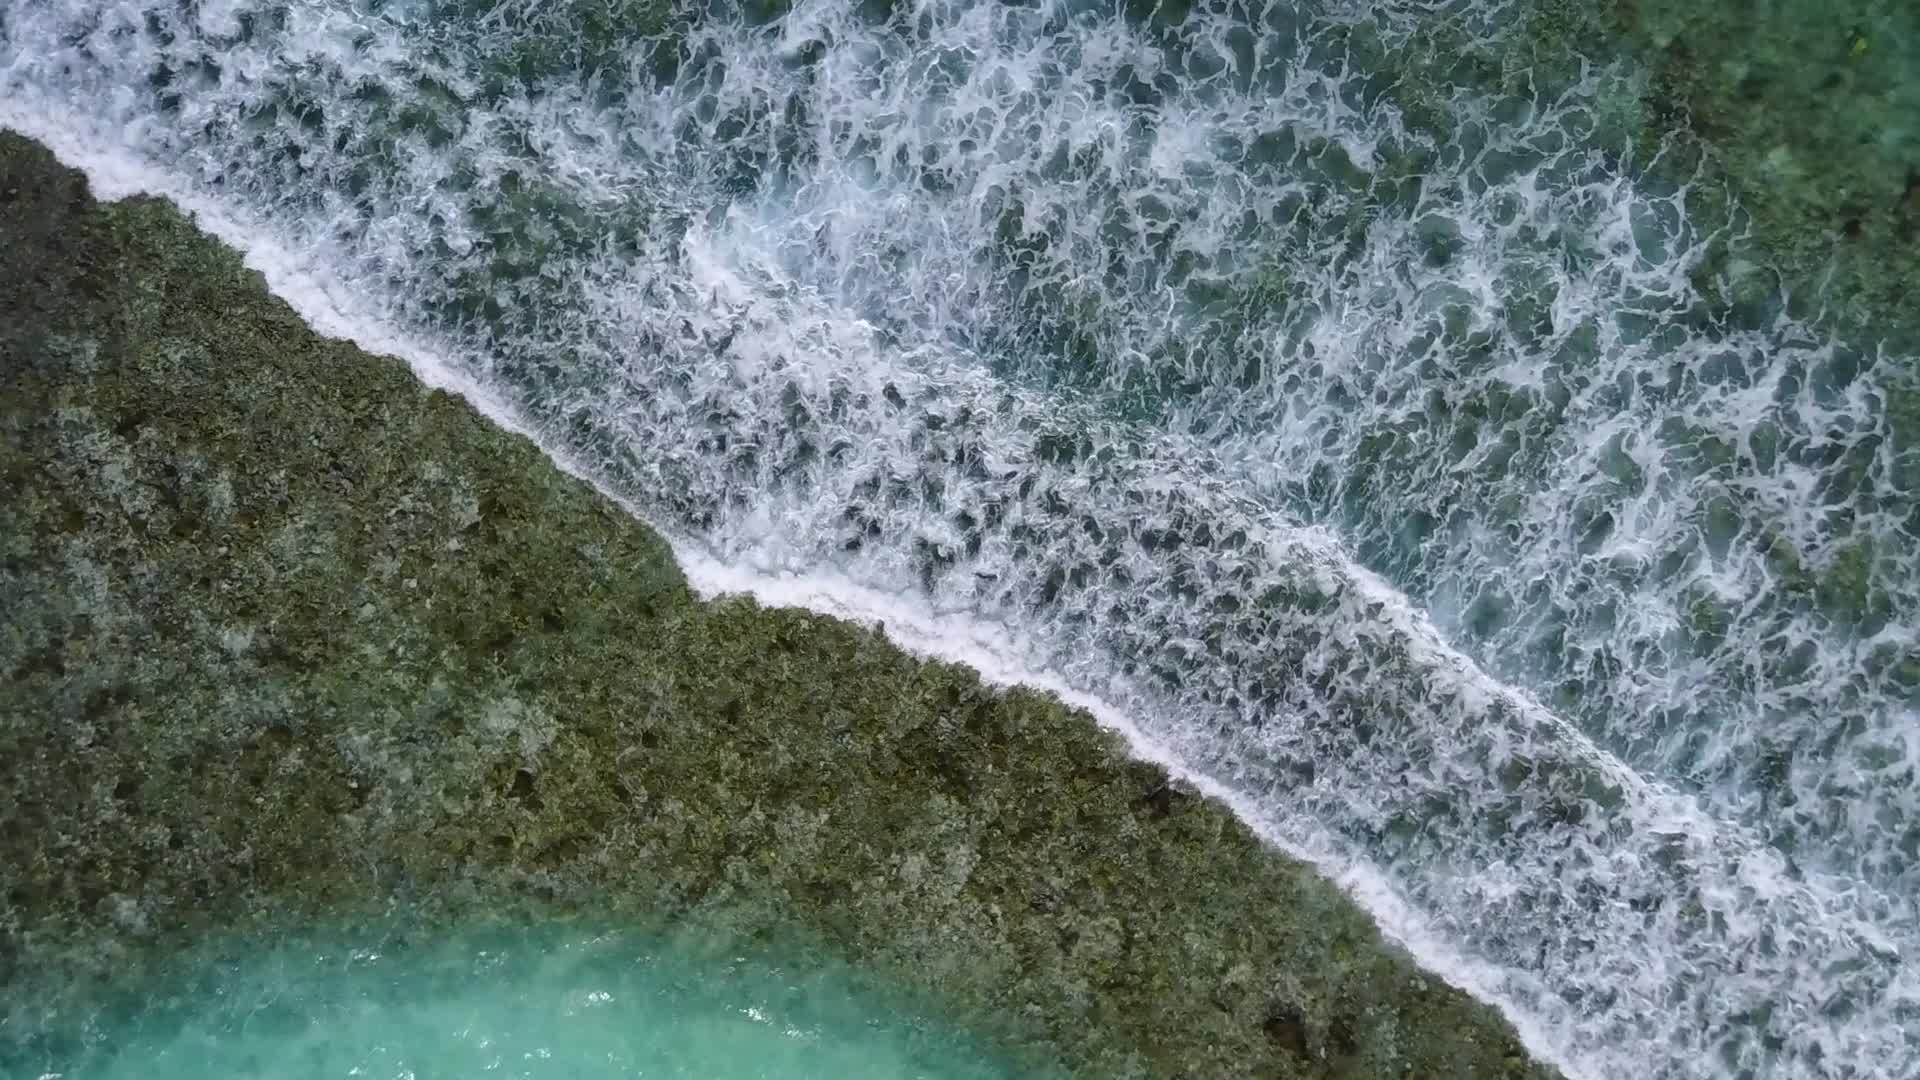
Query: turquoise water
(1372, 435)
(538, 1004)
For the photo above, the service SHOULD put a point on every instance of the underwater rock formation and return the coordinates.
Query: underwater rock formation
(1792, 120)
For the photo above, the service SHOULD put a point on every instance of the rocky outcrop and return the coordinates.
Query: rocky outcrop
(287, 636)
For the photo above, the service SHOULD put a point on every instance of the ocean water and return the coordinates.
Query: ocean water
(1354, 434)
(526, 1004)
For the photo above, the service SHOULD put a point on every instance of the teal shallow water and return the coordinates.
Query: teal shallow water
(533, 1004)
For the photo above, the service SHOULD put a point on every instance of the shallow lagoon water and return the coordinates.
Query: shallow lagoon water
(525, 1003)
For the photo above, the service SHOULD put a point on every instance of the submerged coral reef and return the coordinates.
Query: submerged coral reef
(1792, 121)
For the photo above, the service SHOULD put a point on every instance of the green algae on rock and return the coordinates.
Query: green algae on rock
(288, 636)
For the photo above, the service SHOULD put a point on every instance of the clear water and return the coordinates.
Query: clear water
(528, 1004)
(1397, 483)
